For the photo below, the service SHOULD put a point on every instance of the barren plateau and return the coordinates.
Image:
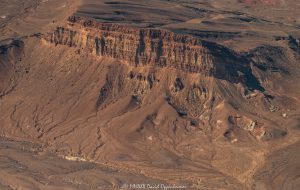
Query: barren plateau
(170, 94)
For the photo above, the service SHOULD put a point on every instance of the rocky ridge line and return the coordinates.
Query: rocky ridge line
(152, 47)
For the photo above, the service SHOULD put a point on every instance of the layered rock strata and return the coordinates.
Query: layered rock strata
(151, 47)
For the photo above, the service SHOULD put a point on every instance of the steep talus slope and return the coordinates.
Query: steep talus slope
(155, 104)
(135, 108)
(61, 110)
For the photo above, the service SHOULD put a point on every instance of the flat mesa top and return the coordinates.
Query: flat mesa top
(250, 23)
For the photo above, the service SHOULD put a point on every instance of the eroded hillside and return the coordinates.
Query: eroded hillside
(162, 104)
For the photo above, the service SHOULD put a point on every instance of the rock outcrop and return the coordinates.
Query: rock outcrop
(135, 46)
(153, 47)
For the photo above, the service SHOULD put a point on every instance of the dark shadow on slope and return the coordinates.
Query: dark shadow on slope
(269, 58)
(232, 67)
(294, 44)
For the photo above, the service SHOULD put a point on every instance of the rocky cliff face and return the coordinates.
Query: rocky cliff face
(152, 47)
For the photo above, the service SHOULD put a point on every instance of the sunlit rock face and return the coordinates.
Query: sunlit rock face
(153, 48)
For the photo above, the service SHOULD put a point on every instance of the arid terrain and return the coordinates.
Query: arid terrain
(149, 94)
